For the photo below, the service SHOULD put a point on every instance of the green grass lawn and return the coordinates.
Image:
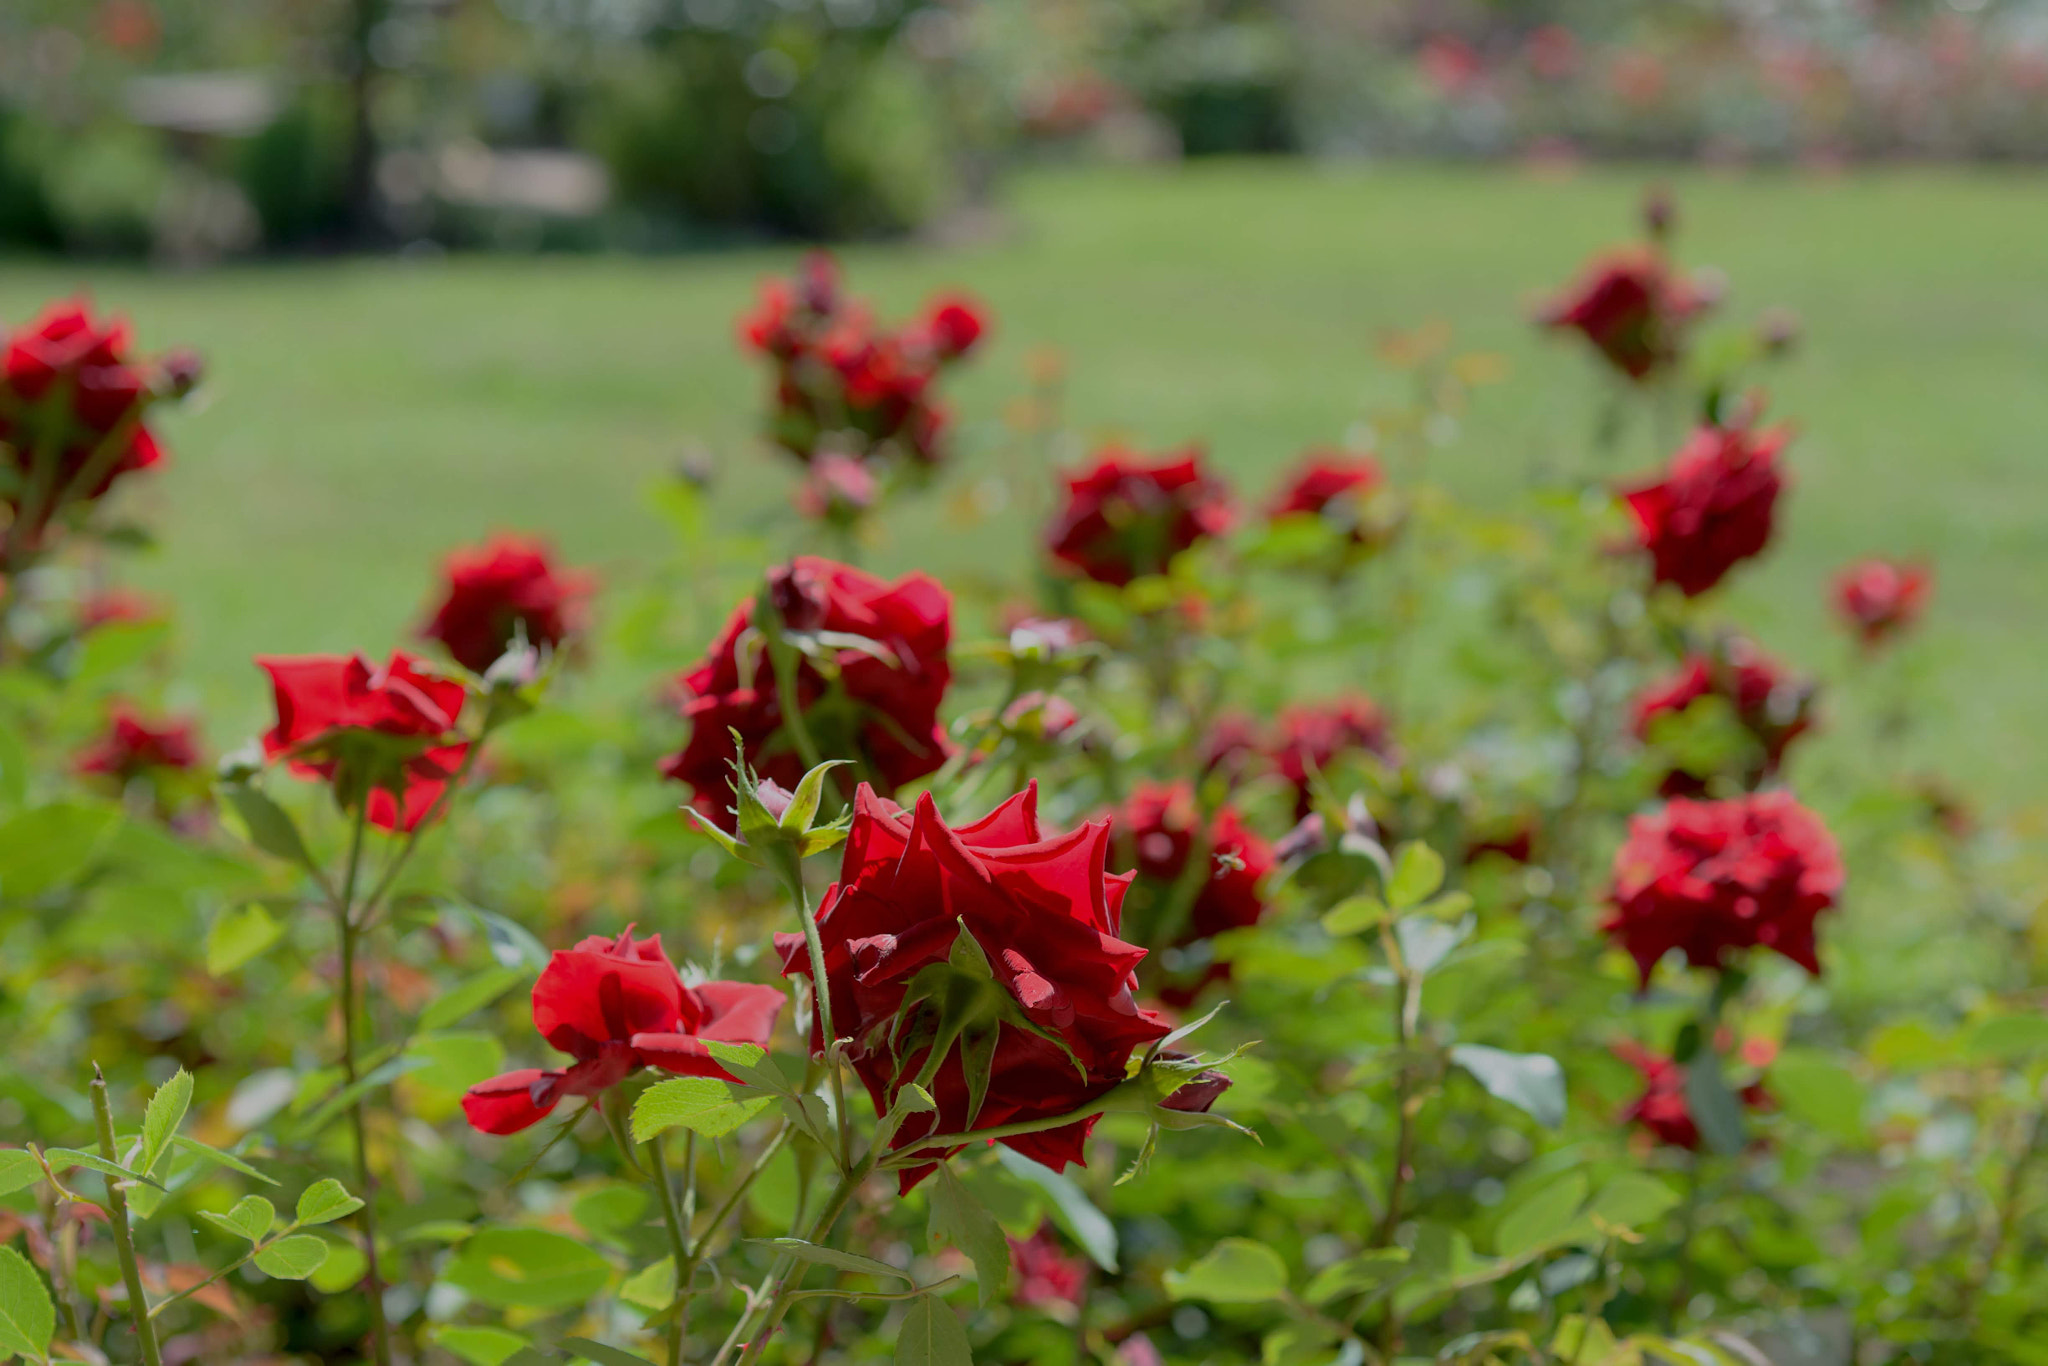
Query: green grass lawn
(366, 415)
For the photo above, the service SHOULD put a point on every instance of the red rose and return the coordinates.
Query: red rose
(1157, 827)
(116, 605)
(1713, 506)
(1633, 308)
(1046, 1274)
(1312, 736)
(1126, 516)
(953, 325)
(1662, 1109)
(616, 1006)
(883, 706)
(1772, 706)
(837, 489)
(1060, 1023)
(1710, 877)
(1878, 598)
(391, 729)
(132, 746)
(500, 589)
(1231, 742)
(69, 387)
(1329, 484)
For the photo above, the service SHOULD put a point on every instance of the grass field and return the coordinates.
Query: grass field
(366, 415)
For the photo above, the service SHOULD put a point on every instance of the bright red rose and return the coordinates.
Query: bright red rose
(1879, 598)
(392, 729)
(1044, 912)
(883, 706)
(1047, 1276)
(616, 1006)
(953, 324)
(69, 387)
(1662, 1110)
(1710, 878)
(1329, 484)
(1633, 308)
(1312, 736)
(132, 746)
(500, 589)
(1713, 506)
(1126, 516)
(1774, 707)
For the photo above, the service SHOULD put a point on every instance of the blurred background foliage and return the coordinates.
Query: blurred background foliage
(195, 129)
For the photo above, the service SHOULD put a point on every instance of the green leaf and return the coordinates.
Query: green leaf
(347, 1096)
(293, 1258)
(810, 790)
(218, 1158)
(1418, 872)
(166, 1111)
(1531, 1082)
(1071, 1209)
(1369, 1271)
(239, 935)
(28, 1319)
(47, 847)
(832, 1256)
(1545, 1217)
(603, 1355)
(478, 1346)
(249, 1219)
(931, 1335)
(473, 994)
(1354, 915)
(63, 1159)
(1633, 1200)
(268, 825)
(18, 1170)
(1235, 1271)
(751, 1064)
(531, 1268)
(1819, 1091)
(325, 1201)
(1426, 941)
(2004, 1038)
(344, 1269)
(652, 1287)
(960, 1219)
(703, 1105)
(1714, 1107)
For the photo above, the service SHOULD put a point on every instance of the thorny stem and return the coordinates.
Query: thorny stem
(380, 1345)
(787, 1274)
(906, 1156)
(821, 1001)
(787, 664)
(117, 1221)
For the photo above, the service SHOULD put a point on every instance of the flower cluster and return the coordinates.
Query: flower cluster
(507, 589)
(1713, 506)
(133, 746)
(1159, 829)
(1338, 489)
(844, 384)
(1772, 707)
(1127, 516)
(1313, 735)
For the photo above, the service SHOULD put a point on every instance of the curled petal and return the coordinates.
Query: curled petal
(514, 1101)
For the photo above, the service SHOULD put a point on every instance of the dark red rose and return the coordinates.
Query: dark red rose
(68, 386)
(1880, 598)
(1633, 308)
(883, 707)
(1332, 485)
(1156, 831)
(132, 746)
(1710, 878)
(616, 1006)
(500, 589)
(1044, 912)
(1514, 841)
(1662, 1110)
(1313, 736)
(953, 324)
(1046, 1274)
(392, 728)
(1713, 506)
(1774, 707)
(1126, 515)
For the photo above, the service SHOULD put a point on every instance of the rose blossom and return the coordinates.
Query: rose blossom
(345, 720)
(496, 591)
(1313, 735)
(1662, 1109)
(1712, 508)
(132, 746)
(616, 1006)
(1331, 485)
(1158, 825)
(1047, 1276)
(1633, 308)
(1772, 706)
(893, 684)
(1707, 878)
(1880, 598)
(1126, 516)
(1044, 913)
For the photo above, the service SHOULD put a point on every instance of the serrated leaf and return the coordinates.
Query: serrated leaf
(1369, 1271)
(960, 1219)
(269, 826)
(293, 1258)
(18, 1170)
(214, 1155)
(249, 1219)
(1354, 915)
(161, 1119)
(751, 1064)
(62, 1159)
(1531, 1082)
(478, 1346)
(703, 1105)
(470, 995)
(325, 1201)
(603, 1355)
(28, 1318)
(832, 1256)
(931, 1335)
(1070, 1208)
(237, 936)
(1235, 1271)
(1418, 872)
(1547, 1216)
